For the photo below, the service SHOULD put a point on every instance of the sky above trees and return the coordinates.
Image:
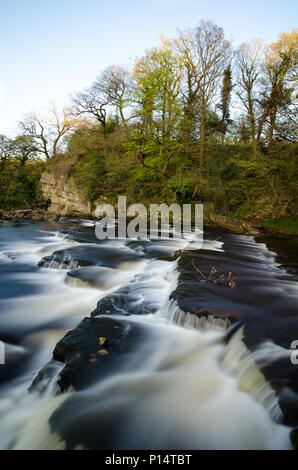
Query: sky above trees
(50, 49)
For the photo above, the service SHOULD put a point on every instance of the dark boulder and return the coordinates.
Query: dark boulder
(85, 359)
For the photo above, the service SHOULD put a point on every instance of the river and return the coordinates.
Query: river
(167, 360)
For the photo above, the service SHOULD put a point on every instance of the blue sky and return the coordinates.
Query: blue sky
(50, 48)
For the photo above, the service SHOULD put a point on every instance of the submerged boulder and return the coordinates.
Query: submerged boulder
(94, 349)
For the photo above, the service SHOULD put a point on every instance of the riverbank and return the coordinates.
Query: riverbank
(211, 220)
(236, 194)
(278, 227)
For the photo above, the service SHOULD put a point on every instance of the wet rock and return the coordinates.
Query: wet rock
(106, 306)
(89, 254)
(199, 297)
(99, 276)
(288, 398)
(59, 261)
(79, 351)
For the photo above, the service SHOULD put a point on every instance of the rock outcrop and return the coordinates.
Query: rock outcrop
(64, 196)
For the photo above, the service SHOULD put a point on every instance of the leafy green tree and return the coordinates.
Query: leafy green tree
(225, 103)
(280, 74)
(24, 148)
(157, 78)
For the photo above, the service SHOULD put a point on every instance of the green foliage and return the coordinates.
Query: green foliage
(182, 186)
(89, 174)
(145, 175)
(85, 140)
(19, 184)
(243, 210)
(287, 224)
(236, 184)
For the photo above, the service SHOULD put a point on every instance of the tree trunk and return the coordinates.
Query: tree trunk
(122, 115)
(104, 126)
(252, 125)
(272, 117)
(202, 137)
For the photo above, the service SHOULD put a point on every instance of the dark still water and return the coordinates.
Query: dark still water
(147, 353)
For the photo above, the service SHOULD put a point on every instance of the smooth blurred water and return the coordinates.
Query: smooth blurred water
(183, 387)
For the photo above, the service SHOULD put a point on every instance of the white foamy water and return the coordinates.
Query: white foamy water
(180, 396)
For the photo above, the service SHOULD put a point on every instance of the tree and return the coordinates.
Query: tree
(248, 62)
(93, 102)
(186, 48)
(205, 53)
(114, 83)
(226, 91)
(6, 149)
(47, 132)
(24, 148)
(157, 78)
(242, 129)
(280, 67)
(109, 89)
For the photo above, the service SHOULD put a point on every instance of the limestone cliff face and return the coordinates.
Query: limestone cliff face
(64, 196)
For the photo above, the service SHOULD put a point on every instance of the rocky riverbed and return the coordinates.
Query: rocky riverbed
(125, 344)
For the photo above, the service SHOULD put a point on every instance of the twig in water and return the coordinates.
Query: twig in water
(213, 271)
(193, 263)
(230, 280)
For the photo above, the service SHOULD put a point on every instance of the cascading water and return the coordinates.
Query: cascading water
(182, 386)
